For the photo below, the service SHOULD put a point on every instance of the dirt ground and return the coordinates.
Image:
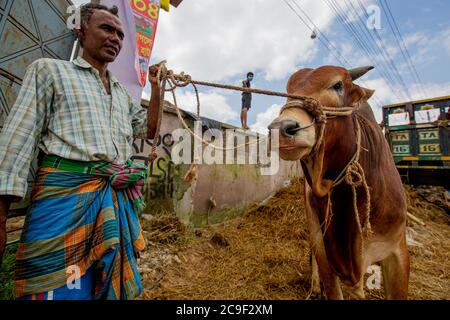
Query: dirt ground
(265, 253)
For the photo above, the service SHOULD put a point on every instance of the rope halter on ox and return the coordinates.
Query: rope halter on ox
(352, 173)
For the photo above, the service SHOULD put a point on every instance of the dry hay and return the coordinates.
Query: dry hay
(164, 229)
(265, 255)
(430, 254)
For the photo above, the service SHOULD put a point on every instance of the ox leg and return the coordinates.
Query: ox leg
(329, 279)
(315, 278)
(357, 292)
(396, 273)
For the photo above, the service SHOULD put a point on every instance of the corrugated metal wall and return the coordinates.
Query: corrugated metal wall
(29, 30)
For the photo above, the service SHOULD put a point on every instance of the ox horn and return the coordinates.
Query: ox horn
(359, 72)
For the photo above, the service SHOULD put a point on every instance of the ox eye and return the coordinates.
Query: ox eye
(338, 86)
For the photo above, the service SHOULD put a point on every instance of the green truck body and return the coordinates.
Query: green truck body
(418, 133)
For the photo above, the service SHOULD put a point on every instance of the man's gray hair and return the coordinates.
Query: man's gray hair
(87, 10)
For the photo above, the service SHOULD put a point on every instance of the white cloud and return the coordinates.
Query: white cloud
(220, 40)
(263, 119)
(423, 46)
(386, 95)
(443, 37)
(432, 90)
(415, 38)
(217, 40)
(213, 105)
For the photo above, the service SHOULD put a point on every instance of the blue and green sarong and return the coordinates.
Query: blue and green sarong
(83, 219)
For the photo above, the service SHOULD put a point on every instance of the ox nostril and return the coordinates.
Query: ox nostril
(289, 128)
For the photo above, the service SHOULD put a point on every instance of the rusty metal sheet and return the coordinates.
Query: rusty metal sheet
(29, 27)
(3, 4)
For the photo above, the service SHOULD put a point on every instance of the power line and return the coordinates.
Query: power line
(401, 42)
(355, 38)
(371, 43)
(325, 41)
(360, 42)
(331, 44)
(320, 32)
(379, 50)
(343, 61)
(380, 46)
(352, 30)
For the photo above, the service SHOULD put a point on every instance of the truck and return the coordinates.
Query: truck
(418, 133)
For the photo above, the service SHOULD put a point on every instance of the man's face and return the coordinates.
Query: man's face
(103, 37)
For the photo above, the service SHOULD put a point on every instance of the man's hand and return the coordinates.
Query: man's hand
(5, 202)
(153, 74)
(154, 108)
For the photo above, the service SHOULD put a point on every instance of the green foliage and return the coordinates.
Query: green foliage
(7, 274)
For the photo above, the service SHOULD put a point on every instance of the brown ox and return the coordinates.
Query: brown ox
(342, 250)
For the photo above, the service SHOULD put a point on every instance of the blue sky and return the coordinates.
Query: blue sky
(221, 40)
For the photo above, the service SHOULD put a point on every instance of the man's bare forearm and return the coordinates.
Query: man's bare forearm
(153, 111)
(5, 204)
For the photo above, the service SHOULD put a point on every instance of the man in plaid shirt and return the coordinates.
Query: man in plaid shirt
(80, 119)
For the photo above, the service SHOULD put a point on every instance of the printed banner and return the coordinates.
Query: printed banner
(146, 15)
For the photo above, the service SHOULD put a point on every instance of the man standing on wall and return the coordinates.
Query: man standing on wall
(246, 100)
(82, 234)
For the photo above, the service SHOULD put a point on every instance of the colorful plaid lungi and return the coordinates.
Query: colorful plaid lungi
(83, 216)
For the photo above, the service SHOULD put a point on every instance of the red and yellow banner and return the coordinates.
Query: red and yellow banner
(146, 15)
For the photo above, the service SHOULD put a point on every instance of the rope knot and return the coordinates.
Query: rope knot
(321, 119)
(354, 175)
(355, 178)
(153, 156)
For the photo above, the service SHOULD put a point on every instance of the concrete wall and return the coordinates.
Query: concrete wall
(204, 194)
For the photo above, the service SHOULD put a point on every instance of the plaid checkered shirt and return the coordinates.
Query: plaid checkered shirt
(63, 109)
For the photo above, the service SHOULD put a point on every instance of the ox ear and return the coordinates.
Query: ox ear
(358, 94)
(368, 93)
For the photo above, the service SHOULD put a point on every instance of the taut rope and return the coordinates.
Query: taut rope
(182, 80)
